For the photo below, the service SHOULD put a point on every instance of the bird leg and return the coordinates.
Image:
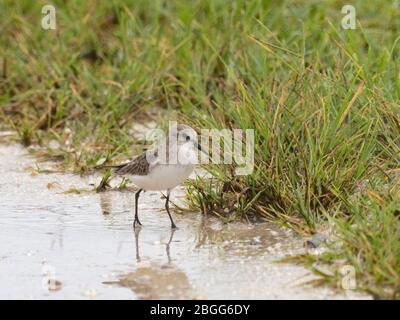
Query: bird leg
(136, 208)
(173, 226)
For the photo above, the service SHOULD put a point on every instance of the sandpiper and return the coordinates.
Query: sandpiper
(164, 167)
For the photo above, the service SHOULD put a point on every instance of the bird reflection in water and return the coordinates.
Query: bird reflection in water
(154, 280)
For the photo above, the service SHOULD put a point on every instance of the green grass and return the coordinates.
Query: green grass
(369, 241)
(323, 102)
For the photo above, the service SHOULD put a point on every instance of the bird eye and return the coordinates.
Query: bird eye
(187, 138)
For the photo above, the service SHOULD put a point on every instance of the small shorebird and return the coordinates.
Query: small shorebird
(164, 167)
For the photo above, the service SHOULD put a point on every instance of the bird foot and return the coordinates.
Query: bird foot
(135, 223)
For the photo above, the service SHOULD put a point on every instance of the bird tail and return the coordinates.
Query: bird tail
(116, 166)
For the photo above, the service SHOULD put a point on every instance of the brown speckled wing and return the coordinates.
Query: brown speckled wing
(137, 167)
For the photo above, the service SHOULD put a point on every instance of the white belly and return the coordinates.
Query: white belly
(163, 177)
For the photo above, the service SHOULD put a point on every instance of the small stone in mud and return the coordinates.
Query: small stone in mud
(52, 185)
(54, 285)
(315, 241)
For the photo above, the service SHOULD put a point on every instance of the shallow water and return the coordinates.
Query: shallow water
(56, 245)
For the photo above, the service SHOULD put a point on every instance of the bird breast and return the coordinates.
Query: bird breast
(163, 177)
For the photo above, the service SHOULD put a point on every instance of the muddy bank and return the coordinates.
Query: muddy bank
(65, 245)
